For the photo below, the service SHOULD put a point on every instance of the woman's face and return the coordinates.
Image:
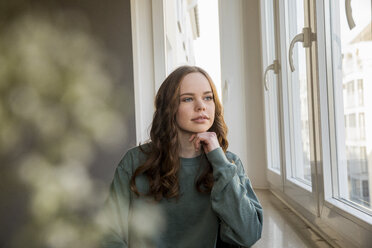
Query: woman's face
(196, 109)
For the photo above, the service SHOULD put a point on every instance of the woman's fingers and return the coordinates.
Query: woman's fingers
(208, 140)
(192, 137)
(197, 143)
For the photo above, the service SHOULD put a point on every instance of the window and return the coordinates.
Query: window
(351, 128)
(363, 160)
(298, 101)
(350, 94)
(362, 128)
(325, 111)
(360, 92)
(365, 190)
(271, 92)
(180, 17)
(326, 145)
(351, 140)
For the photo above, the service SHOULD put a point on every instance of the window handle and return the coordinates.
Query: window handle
(275, 67)
(349, 14)
(306, 37)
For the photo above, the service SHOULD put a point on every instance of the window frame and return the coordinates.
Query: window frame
(332, 198)
(337, 221)
(273, 172)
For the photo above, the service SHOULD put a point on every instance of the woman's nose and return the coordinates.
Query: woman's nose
(200, 105)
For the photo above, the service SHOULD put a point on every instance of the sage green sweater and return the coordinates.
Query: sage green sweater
(192, 220)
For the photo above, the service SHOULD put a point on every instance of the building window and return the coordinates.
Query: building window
(360, 92)
(365, 188)
(363, 160)
(350, 94)
(362, 127)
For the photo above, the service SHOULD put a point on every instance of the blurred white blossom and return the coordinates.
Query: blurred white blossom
(58, 105)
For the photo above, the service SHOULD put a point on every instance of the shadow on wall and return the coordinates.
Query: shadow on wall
(58, 108)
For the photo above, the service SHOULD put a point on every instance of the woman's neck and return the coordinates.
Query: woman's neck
(186, 148)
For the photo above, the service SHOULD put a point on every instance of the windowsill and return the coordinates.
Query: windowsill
(350, 212)
(276, 171)
(300, 184)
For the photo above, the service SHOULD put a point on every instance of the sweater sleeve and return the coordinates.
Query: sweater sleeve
(234, 201)
(116, 210)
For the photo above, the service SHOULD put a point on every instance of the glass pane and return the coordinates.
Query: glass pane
(298, 98)
(192, 37)
(352, 78)
(271, 95)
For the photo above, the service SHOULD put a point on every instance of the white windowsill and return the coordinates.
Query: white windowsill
(350, 212)
(300, 184)
(276, 171)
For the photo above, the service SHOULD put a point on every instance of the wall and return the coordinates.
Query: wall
(110, 24)
(242, 85)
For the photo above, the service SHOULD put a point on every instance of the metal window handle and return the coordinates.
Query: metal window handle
(306, 37)
(349, 14)
(275, 67)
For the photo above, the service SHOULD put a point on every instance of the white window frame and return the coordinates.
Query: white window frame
(271, 97)
(337, 221)
(149, 60)
(329, 143)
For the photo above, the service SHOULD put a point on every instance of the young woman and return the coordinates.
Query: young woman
(186, 171)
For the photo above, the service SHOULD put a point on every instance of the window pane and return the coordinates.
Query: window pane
(352, 77)
(298, 97)
(271, 95)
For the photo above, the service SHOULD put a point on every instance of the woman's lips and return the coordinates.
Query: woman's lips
(200, 119)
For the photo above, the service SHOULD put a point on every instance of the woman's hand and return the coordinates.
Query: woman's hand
(207, 140)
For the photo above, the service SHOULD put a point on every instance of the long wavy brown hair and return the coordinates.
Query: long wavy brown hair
(162, 164)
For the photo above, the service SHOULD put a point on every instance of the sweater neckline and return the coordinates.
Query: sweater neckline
(193, 160)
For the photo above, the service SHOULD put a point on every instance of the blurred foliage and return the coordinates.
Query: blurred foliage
(58, 104)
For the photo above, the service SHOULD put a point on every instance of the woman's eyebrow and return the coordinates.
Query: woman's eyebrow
(191, 94)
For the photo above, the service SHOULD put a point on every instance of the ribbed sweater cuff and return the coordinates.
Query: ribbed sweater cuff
(217, 158)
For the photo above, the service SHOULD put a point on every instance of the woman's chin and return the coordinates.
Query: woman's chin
(199, 130)
(194, 130)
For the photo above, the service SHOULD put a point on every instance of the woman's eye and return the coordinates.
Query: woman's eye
(209, 98)
(187, 99)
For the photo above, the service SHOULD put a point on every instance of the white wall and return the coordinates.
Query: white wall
(242, 85)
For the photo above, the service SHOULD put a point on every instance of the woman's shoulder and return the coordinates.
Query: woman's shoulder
(134, 157)
(139, 150)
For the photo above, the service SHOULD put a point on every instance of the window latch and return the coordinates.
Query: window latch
(306, 37)
(275, 66)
